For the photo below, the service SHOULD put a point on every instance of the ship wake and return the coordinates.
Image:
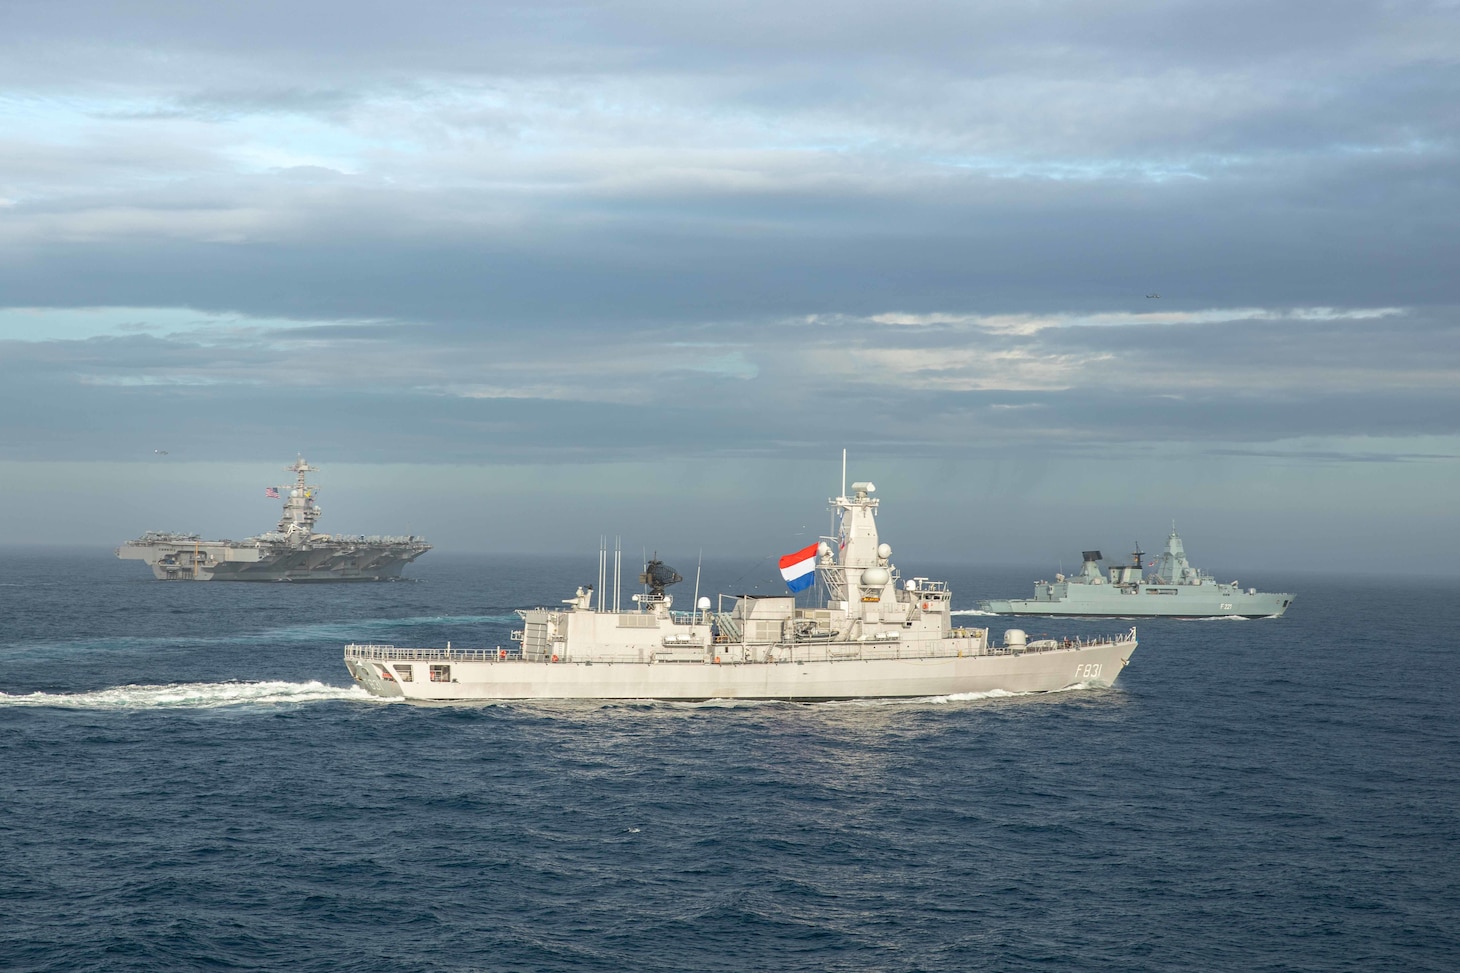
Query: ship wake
(194, 695)
(314, 633)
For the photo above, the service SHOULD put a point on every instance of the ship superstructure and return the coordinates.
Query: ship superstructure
(290, 552)
(1173, 589)
(874, 634)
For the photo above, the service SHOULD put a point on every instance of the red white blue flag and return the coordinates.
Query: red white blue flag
(799, 569)
(271, 492)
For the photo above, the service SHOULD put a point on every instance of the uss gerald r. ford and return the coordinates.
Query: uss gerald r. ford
(291, 552)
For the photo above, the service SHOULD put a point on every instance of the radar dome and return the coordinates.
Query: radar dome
(884, 551)
(875, 577)
(703, 603)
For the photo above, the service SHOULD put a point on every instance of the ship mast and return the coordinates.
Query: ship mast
(300, 510)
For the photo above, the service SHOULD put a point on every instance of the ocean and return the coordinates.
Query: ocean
(192, 782)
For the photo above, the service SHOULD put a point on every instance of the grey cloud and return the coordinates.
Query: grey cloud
(1377, 235)
(580, 230)
(423, 391)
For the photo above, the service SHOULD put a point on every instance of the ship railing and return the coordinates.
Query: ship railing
(884, 650)
(391, 653)
(781, 652)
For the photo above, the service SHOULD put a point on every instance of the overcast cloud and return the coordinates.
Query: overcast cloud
(665, 234)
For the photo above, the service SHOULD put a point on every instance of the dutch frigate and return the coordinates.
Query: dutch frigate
(873, 634)
(1173, 589)
(291, 552)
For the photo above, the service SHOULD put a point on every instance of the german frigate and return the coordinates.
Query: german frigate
(875, 635)
(291, 552)
(1174, 589)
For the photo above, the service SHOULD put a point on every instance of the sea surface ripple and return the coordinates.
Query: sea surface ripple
(193, 782)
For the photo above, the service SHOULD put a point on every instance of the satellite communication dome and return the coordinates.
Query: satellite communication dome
(875, 577)
(884, 551)
(703, 603)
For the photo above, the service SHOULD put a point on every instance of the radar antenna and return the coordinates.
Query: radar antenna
(657, 576)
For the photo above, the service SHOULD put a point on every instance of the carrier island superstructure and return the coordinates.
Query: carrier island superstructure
(1173, 589)
(290, 552)
(875, 634)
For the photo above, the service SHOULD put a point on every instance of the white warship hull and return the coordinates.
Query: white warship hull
(800, 675)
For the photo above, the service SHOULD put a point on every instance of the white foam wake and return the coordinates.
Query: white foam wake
(194, 695)
(970, 697)
(971, 611)
(314, 633)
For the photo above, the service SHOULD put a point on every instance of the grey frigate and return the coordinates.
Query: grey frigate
(874, 634)
(1174, 589)
(290, 552)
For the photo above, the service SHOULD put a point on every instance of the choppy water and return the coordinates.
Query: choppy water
(193, 783)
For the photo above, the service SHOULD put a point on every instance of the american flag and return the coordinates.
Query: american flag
(271, 492)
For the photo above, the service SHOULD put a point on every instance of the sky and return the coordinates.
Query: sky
(519, 275)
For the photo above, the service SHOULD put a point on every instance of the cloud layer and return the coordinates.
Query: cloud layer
(590, 232)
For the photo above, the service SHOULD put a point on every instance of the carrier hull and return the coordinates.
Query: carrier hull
(321, 562)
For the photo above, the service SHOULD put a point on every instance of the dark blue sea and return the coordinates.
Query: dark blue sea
(191, 782)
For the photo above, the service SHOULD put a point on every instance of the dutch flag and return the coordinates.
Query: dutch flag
(799, 569)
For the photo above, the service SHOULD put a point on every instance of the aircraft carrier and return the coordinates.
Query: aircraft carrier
(290, 552)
